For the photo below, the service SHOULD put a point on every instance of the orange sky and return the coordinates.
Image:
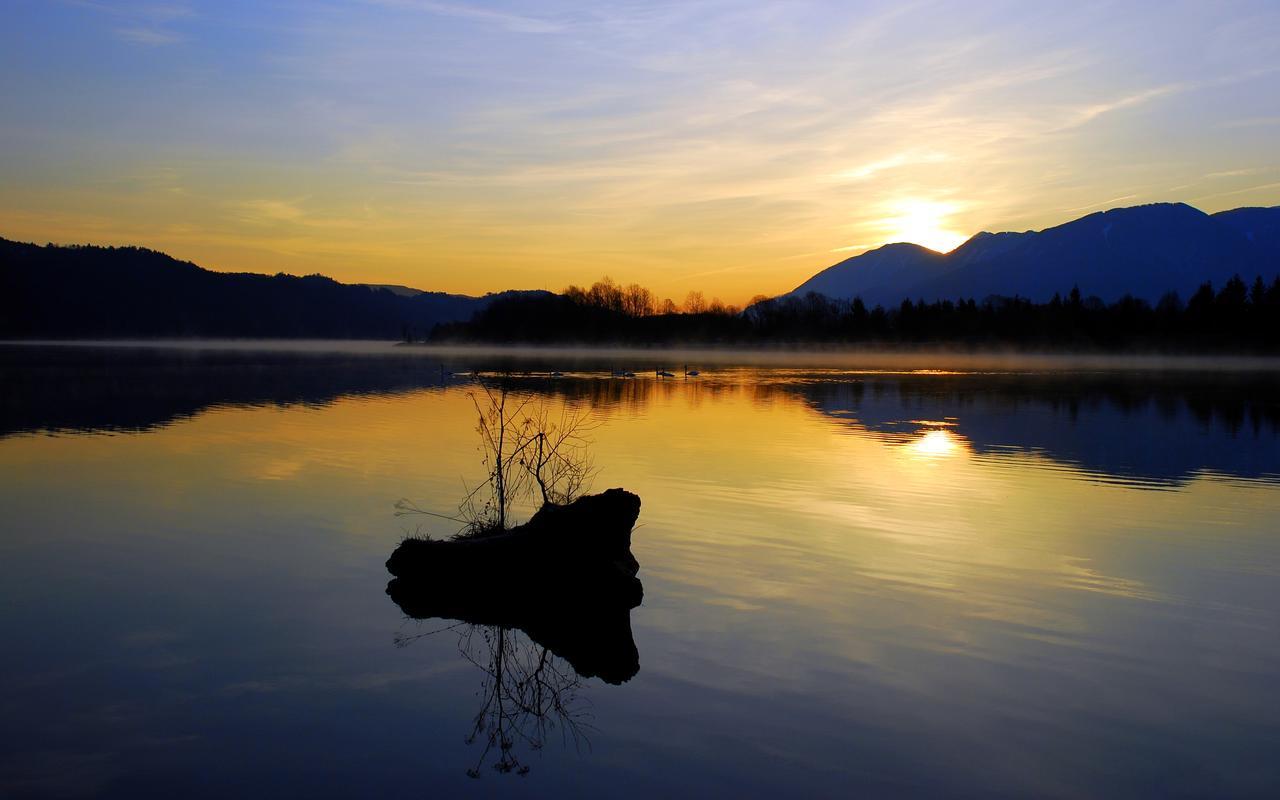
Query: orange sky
(734, 148)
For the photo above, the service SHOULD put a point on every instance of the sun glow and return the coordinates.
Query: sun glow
(923, 222)
(935, 444)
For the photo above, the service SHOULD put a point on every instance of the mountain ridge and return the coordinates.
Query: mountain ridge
(65, 292)
(1143, 251)
(85, 291)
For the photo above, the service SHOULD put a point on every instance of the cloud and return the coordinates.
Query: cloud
(1085, 114)
(144, 23)
(1235, 173)
(873, 168)
(1107, 203)
(268, 211)
(515, 23)
(1259, 188)
(149, 36)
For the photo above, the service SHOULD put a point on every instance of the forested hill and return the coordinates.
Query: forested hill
(115, 292)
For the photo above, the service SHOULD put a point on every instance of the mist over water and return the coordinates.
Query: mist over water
(497, 357)
(1055, 579)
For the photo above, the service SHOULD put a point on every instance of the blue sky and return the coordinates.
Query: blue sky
(733, 147)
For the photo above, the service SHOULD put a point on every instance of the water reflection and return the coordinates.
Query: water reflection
(856, 583)
(535, 651)
(527, 696)
(936, 443)
(594, 638)
(1147, 429)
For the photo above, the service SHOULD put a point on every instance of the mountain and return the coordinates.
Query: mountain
(1143, 251)
(114, 292)
(877, 272)
(395, 288)
(1259, 225)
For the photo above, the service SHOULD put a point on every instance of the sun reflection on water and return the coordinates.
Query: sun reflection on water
(937, 443)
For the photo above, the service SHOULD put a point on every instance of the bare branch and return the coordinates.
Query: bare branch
(528, 455)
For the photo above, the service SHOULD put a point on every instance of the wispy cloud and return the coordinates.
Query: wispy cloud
(144, 23)
(273, 211)
(873, 168)
(1248, 189)
(1236, 173)
(1083, 115)
(149, 36)
(1108, 203)
(515, 23)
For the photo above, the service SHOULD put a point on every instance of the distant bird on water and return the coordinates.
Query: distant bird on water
(690, 373)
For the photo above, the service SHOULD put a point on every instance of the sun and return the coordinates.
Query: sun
(923, 222)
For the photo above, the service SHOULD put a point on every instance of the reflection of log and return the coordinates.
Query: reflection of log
(595, 639)
(567, 578)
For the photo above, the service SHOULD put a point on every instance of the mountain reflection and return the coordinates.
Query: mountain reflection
(1136, 428)
(1157, 430)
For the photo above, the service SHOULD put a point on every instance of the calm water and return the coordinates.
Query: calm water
(857, 583)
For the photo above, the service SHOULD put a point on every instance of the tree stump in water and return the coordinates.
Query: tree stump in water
(567, 578)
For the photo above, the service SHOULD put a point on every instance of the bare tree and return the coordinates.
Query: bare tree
(604, 293)
(487, 506)
(554, 451)
(638, 301)
(529, 453)
(694, 303)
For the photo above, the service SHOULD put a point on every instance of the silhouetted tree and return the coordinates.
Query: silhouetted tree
(527, 452)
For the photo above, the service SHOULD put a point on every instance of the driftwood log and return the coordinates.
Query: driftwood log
(566, 578)
(562, 548)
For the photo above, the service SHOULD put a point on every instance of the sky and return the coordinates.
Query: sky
(731, 147)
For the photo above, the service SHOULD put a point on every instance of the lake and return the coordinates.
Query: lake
(1024, 579)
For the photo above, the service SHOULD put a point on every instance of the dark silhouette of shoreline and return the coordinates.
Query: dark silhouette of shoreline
(1237, 318)
(1163, 278)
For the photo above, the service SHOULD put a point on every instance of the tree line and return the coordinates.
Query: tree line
(635, 300)
(1239, 316)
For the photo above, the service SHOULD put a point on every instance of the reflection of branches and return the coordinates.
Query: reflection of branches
(527, 694)
(406, 639)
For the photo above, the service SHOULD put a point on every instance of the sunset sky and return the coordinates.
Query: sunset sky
(731, 147)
